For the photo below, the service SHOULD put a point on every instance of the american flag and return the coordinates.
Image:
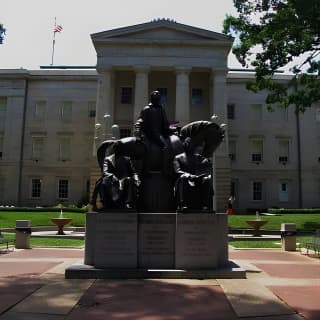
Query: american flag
(57, 28)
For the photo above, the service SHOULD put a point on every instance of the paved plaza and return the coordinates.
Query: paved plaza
(280, 285)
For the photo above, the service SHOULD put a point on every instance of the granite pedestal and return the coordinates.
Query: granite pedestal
(156, 245)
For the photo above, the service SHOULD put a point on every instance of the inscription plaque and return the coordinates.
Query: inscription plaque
(116, 240)
(197, 245)
(156, 240)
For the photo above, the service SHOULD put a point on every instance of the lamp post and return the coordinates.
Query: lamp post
(107, 126)
(97, 138)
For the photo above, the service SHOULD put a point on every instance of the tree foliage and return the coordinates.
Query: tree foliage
(270, 34)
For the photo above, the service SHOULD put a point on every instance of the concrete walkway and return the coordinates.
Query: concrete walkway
(279, 285)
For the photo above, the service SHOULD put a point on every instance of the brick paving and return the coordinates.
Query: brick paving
(45, 253)
(294, 278)
(266, 255)
(152, 300)
(290, 278)
(16, 268)
(15, 290)
(294, 271)
(304, 299)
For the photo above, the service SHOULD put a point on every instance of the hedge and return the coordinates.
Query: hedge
(44, 209)
(296, 211)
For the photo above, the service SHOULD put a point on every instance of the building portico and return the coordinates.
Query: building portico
(189, 94)
(160, 54)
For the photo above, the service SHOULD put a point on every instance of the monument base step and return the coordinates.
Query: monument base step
(82, 271)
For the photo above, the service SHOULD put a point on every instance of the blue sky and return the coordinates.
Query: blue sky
(29, 24)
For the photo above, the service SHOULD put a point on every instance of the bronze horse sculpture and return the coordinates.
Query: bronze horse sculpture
(156, 192)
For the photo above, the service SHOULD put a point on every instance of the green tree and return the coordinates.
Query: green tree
(270, 34)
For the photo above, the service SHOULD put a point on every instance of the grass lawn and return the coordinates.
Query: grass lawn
(8, 218)
(304, 222)
(264, 243)
(47, 242)
(255, 244)
(56, 242)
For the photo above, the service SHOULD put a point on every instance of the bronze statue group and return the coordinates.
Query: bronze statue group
(161, 168)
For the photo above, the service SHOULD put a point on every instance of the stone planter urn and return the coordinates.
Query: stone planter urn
(60, 223)
(256, 225)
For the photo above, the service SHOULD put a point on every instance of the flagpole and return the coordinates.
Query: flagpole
(54, 39)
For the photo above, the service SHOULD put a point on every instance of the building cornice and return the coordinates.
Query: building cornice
(48, 74)
(158, 42)
(161, 23)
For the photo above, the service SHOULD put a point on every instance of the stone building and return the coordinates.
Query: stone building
(51, 119)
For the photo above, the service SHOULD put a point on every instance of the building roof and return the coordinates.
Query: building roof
(175, 32)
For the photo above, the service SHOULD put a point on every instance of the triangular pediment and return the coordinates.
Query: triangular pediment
(160, 30)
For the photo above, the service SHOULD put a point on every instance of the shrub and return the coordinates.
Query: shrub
(44, 209)
(297, 211)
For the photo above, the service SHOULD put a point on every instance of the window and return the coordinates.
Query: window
(230, 110)
(91, 109)
(3, 104)
(3, 109)
(233, 189)
(92, 113)
(317, 113)
(196, 96)
(283, 192)
(89, 144)
(256, 111)
(88, 186)
(284, 114)
(232, 150)
(63, 189)
(39, 110)
(2, 187)
(283, 151)
(64, 148)
(1, 146)
(164, 96)
(126, 95)
(257, 191)
(36, 188)
(256, 150)
(256, 157)
(125, 132)
(66, 111)
(37, 147)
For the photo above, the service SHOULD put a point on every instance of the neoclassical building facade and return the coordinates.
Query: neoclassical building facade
(52, 119)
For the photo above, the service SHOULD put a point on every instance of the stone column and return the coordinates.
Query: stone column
(222, 178)
(182, 113)
(141, 92)
(104, 106)
(105, 102)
